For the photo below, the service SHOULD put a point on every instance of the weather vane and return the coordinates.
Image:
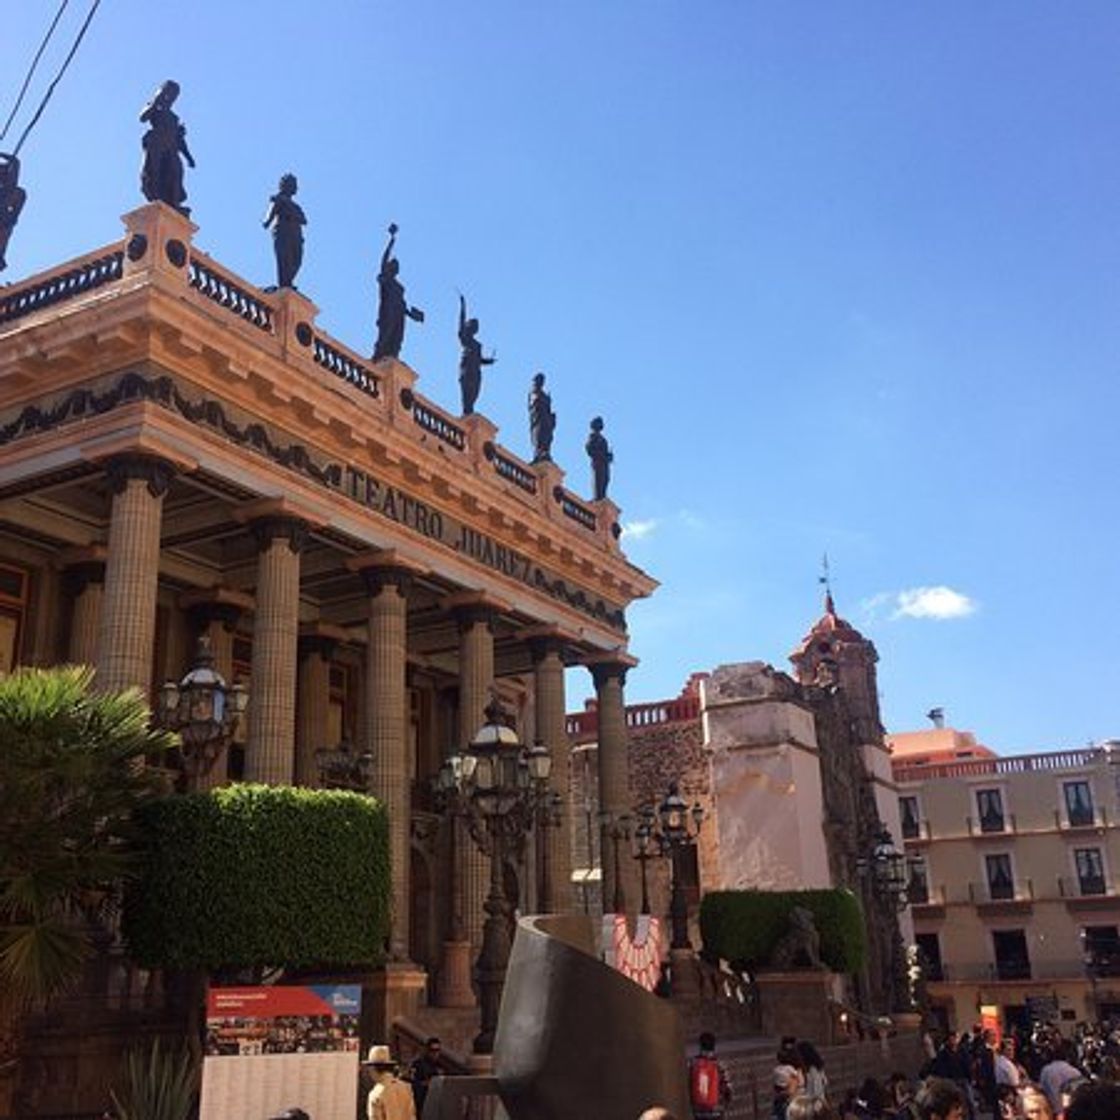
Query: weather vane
(825, 578)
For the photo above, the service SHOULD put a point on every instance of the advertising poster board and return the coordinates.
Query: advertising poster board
(274, 1048)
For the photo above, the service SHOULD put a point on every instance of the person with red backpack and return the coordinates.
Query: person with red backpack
(709, 1089)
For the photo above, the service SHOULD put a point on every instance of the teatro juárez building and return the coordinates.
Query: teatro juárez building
(184, 453)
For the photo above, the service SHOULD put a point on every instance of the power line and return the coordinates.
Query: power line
(34, 64)
(58, 77)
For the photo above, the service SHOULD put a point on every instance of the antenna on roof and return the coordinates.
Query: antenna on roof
(937, 717)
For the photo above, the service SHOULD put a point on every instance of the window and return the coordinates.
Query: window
(1001, 883)
(989, 808)
(1101, 945)
(929, 946)
(917, 884)
(1012, 960)
(1079, 803)
(1090, 870)
(911, 822)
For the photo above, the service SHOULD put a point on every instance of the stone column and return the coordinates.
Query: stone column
(548, 692)
(127, 627)
(476, 682)
(85, 582)
(313, 703)
(386, 728)
(270, 750)
(614, 772)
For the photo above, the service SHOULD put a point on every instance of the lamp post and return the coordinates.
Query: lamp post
(678, 828)
(616, 828)
(644, 835)
(497, 786)
(885, 869)
(203, 710)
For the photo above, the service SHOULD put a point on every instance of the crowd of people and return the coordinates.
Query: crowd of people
(1036, 1075)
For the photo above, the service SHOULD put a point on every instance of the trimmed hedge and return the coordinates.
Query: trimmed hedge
(253, 875)
(744, 926)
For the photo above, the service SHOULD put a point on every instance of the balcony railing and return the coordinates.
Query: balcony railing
(916, 830)
(1000, 890)
(992, 824)
(681, 710)
(1017, 968)
(1016, 764)
(1085, 886)
(1082, 818)
(73, 279)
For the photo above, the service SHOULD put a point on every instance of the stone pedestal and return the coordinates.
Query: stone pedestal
(454, 988)
(797, 1003)
(392, 992)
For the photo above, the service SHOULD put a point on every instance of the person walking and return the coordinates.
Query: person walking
(709, 1087)
(422, 1070)
(390, 1098)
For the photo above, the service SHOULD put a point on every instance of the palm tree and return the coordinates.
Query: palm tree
(71, 772)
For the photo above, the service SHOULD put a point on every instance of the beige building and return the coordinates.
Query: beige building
(1014, 876)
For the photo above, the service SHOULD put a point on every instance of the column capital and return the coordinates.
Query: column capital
(606, 667)
(471, 608)
(278, 527)
(383, 568)
(123, 469)
(81, 567)
(216, 604)
(542, 641)
(78, 576)
(320, 639)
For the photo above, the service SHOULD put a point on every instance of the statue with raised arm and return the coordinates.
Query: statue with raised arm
(165, 148)
(542, 420)
(287, 220)
(471, 360)
(601, 456)
(12, 198)
(392, 307)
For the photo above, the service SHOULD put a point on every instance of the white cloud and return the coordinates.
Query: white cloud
(638, 530)
(939, 602)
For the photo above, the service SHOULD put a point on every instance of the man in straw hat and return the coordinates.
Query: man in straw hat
(390, 1098)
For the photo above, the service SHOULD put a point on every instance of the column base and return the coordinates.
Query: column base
(394, 992)
(454, 987)
(686, 982)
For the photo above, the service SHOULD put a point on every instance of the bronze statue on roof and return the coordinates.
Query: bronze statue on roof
(165, 148)
(392, 308)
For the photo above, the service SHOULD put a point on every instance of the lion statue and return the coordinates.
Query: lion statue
(800, 945)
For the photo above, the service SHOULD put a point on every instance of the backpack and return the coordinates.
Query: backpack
(703, 1084)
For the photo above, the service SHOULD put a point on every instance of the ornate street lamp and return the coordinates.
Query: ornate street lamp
(885, 869)
(498, 786)
(616, 828)
(678, 828)
(647, 849)
(341, 768)
(203, 710)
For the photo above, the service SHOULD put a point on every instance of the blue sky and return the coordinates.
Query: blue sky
(840, 277)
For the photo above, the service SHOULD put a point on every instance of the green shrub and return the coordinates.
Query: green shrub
(744, 926)
(251, 876)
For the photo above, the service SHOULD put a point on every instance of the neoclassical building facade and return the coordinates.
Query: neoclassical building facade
(182, 453)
